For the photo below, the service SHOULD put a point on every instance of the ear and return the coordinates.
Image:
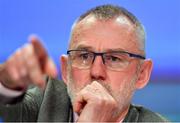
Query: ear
(144, 74)
(64, 67)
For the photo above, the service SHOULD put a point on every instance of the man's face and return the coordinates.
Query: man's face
(103, 36)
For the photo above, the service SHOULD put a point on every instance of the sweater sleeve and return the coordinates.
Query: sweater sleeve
(8, 96)
(26, 108)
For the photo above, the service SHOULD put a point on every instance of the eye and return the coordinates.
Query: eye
(84, 56)
(113, 58)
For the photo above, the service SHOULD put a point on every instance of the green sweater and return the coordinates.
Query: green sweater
(54, 105)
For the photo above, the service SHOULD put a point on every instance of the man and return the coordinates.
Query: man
(104, 65)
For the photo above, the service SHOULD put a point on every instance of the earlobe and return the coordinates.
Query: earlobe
(64, 65)
(144, 74)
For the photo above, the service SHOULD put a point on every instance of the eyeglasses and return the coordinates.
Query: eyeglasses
(114, 60)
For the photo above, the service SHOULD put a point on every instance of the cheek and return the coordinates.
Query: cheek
(80, 77)
(120, 79)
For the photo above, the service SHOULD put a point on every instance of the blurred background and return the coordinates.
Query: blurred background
(52, 20)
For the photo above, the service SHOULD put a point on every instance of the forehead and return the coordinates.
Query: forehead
(102, 35)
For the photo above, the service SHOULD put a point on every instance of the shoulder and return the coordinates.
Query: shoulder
(146, 115)
(56, 87)
(139, 113)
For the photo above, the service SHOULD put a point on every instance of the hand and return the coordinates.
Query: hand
(27, 66)
(94, 104)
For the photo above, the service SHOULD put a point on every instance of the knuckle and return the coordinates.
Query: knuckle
(23, 72)
(100, 101)
(30, 62)
(12, 69)
(110, 103)
(114, 104)
(15, 77)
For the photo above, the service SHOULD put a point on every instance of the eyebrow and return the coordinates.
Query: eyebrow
(86, 47)
(83, 47)
(116, 49)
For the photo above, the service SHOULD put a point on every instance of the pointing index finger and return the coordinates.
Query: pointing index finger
(46, 64)
(38, 47)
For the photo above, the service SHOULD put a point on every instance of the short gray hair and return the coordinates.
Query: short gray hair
(107, 12)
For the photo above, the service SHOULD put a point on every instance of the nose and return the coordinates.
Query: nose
(98, 70)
